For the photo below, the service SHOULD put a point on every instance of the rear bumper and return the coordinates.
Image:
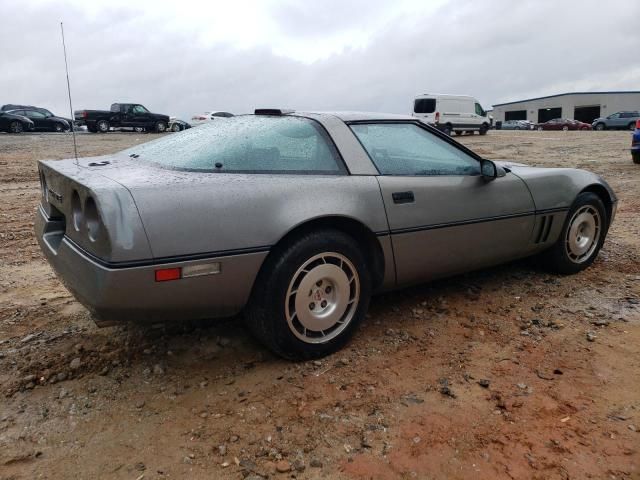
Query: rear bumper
(132, 294)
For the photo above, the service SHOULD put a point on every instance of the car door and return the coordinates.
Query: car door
(444, 217)
(39, 119)
(614, 121)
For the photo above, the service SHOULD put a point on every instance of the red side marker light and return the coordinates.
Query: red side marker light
(166, 274)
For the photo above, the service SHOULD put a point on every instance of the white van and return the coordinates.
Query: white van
(452, 113)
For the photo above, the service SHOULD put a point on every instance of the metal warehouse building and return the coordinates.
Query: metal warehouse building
(582, 106)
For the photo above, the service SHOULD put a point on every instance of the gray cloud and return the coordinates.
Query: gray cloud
(497, 51)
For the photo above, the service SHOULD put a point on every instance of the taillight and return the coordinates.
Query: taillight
(437, 117)
(84, 114)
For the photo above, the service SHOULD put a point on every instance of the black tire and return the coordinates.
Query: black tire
(160, 127)
(484, 129)
(176, 127)
(58, 127)
(102, 126)
(448, 129)
(458, 132)
(635, 156)
(16, 127)
(600, 127)
(272, 299)
(632, 126)
(557, 258)
(517, 128)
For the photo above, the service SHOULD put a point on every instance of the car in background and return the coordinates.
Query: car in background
(12, 123)
(635, 144)
(615, 121)
(177, 125)
(205, 117)
(47, 113)
(562, 124)
(122, 115)
(43, 122)
(451, 113)
(517, 125)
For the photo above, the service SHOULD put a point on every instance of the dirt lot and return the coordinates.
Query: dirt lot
(486, 376)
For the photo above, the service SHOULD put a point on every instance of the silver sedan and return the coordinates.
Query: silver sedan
(295, 219)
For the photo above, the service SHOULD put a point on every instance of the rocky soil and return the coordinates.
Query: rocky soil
(505, 373)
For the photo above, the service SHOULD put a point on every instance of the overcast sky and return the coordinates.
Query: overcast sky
(186, 56)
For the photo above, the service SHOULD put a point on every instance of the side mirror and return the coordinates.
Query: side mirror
(491, 171)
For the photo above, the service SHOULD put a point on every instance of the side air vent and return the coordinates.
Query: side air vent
(546, 222)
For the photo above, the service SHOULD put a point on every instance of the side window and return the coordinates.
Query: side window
(615, 115)
(407, 149)
(34, 114)
(424, 105)
(139, 109)
(479, 110)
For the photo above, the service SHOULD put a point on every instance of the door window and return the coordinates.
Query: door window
(34, 114)
(138, 109)
(424, 105)
(407, 149)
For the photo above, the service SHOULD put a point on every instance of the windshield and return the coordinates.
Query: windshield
(257, 144)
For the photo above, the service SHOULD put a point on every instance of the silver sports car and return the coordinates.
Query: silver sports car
(296, 219)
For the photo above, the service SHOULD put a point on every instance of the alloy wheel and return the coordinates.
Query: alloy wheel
(583, 234)
(322, 298)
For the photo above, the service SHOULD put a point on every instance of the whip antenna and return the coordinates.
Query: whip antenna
(66, 66)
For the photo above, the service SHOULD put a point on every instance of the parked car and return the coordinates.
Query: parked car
(43, 122)
(452, 113)
(297, 218)
(635, 144)
(517, 125)
(618, 120)
(562, 124)
(122, 115)
(12, 123)
(205, 117)
(46, 112)
(177, 125)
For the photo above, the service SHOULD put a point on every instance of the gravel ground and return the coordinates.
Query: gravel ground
(505, 373)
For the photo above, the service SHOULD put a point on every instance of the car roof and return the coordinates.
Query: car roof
(353, 116)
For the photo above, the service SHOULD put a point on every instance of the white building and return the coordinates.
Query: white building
(583, 106)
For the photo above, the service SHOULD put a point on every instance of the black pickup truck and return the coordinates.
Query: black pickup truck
(122, 115)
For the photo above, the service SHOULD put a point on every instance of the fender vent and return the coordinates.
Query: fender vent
(546, 222)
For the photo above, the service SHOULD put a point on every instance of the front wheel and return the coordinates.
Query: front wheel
(58, 127)
(631, 126)
(600, 127)
(161, 127)
(310, 296)
(582, 236)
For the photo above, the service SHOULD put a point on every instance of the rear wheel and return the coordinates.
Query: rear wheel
(540, 129)
(565, 128)
(310, 296)
(448, 129)
(176, 127)
(581, 238)
(16, 127)
(102, 126)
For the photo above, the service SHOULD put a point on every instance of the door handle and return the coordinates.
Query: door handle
(403, 197)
